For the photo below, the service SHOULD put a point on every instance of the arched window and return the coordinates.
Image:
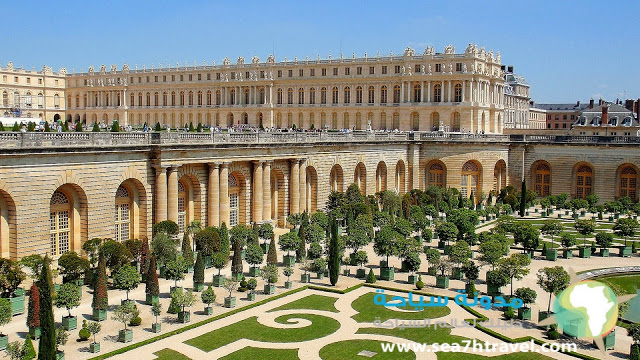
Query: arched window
(122, 214)
(358, 121)
(234, 211)
(148, 103)
(628, 183)
(173, 98)
(247, 99)
(455, 123)
(383, 94)
(301, 96)
(584, 181)
(182, 207)
(436, 174)
(372, 95)
(469, 180)
(312, 96)
(542, 180)
(164, 99)
(457, 93)
(209, 97)
(56, 101)
(233, 96)
(199, 98)
(437, 93)
(396, 121)
(359, 95)
(279, 96)
(383, 121)
(334, 120)
(435, 121)
(417, 93)
(156, 100)
(415, 121)
(334, 95)
(190, 98)
(290, 96)
(181, 98)
(59, 223)
(345, 120)
(41, 100)
(5, 99)
(261, 94)
(347, 95)
(218, 97)
(396, 94)
(323, 95)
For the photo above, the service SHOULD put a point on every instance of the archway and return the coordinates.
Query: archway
(189, 202)
(360, 178)
(130, 210)
(278, 197)
(237, 199)
(470, 179)
(381, 177)
(584, 180)
(541, 171)
(499, 176)
(436, 174)
(312, 189)
(336, 178)
(229, 120)
(400, 177)
(627, 181)
(8, 243)
(68, 219)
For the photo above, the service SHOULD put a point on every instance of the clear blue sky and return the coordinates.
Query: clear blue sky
(567, 50)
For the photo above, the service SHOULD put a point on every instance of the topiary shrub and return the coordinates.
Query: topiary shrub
(168, 227)
(84, 334)
(371, 278)
(136, 321)
(509, 314)
(243, 285)
(553, 333)
(419, 283)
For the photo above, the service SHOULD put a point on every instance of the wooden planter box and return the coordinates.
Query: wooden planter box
(94, 347)
(184, 316)
(251, 296)
(625, 251)
(320, 276)
(412, 279)
(60, 355)
(99, 315)
(35, 332)
(208, 310)
(207, 261)
(543, 315)
(305, 278)
(604, 252)
(441, 244)
(567, 254)
(237, 276)
(493, 290)
(457, 274)
(442, 282)
(584, 252)
(346, 272)
(288, 284)
(387, 273)
(230, 302)
(217, 280)
(125, 336)
(288, 260)
(254, 271)
(152, 299)
(17, 305)
(609, 341)
(4, 341)
(198, 287)
(156, 327)
(524, 313)
(361, 273)
(552, 254)
(269, 289)
(70, 322)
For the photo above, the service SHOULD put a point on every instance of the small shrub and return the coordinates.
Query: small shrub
(136, 321)
(509, 314)
(84, 334)
(553, 333)
(243, 285)
(419, 283)
(371, 278)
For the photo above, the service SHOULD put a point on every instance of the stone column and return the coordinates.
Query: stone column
(172, 194)
(303, 185)
(294, 188)
(266, 191)
(213, 203)
(161, 194)
(256, 194)
(224, 193)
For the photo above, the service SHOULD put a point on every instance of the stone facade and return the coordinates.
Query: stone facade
(60, 189)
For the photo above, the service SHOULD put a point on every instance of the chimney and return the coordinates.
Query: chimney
(578, 104)
(510, 69)
(628, 104)
(591, 104)
(600, 102)
(605, 115)
(503, 67)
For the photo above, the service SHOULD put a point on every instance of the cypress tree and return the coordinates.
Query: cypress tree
(225, 246)
(33, 312)
(152, 288)
(2, 126)
(198, 270)
(301, 251)
(460, 201)
(144, 256)
(187, 251)
(199, 128)
(96, 128)
(523, 198)
(79, 127)
(371, 278)
(158, 128)
(236, 262)
(16, 127)
(28, 351)
(115, 127)
(47, 346)
(191, 129)
(334, 253)
(46, 127)
(100, 295)
(272, 255)
(65, 126)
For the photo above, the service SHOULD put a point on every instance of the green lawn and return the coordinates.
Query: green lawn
(420, 335)
(261, 353)
(349, 349)
(368, 311)
(471, 356)
(626, 283)
(168, 354)
(313, 302)
(250, 329)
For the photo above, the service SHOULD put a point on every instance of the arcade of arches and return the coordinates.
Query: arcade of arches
(267, 189)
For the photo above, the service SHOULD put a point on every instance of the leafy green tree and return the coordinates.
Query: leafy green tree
(124, 313)
(219, 260)
(526, 235)
(551, 228)
(371, 278)
(433, 256)
(315, 251)
(553, 280)
(5, 311)
(418, 219)
(72, 266)
(604, 239)
(175, 269)
(164, 248)
(94, 327)
(471, 273)
(270, 273)
(460, 253)
(183, 298)
(208, 296)
(491, 251)
(385, 242)
(236, 261)
(516, 266)
(497, 278)
(567, 240)
(11, 276)
(625, 227)
(67, 297)
(361, 258)
(289, 242)
(447, 231)
(265, 231)
(585, 227)
(527, 295)
(208, 241)
(403, 227)
(319, 265)
(412, 262)
(187, 251)
(315, 233)
(115, 127)
(255, 256)
(47, 346)
(126, 278)
(116, 254)
(168, 227)
(243, 234)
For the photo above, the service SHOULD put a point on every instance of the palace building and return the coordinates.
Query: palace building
(57, 190)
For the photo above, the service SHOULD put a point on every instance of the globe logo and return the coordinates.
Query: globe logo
(587, 309)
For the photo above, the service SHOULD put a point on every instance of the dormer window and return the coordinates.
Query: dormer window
(613, 121)
(627, 121)
(595, 121)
